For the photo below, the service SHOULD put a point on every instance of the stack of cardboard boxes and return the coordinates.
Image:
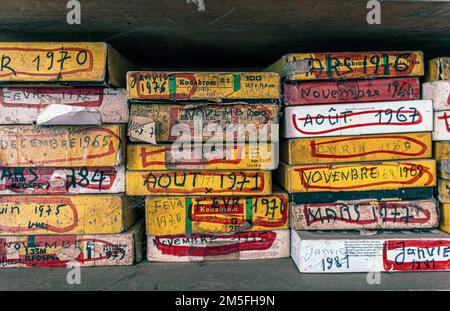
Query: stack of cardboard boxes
(356, 156)
(437, 88)
(208, 182)
(61, 184)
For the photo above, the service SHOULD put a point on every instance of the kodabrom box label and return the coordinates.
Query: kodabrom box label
(62, 62)
(441, 125)
(349, 65)
(86, 214)
(222, 214)
(246, 122)
(439, 93)
(352, 252)
(358, 119)
(62, 251)
(233, 156)
(202, 247)
(51, 180)
(198, 183)
(148, 85)
(23, 105)
(31, 146)
(356, 148)
(348, 91)
(439, 69)
(365, 214)
(357, 176)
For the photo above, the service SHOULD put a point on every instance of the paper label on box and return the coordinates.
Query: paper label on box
(349, 91)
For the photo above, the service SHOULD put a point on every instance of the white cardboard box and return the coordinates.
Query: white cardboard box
(358, 119)
(202, 247)
(439, 92)
(337, 252)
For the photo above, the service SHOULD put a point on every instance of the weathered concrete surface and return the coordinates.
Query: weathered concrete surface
(278, 274)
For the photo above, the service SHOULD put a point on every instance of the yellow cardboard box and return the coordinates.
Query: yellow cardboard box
(357, 176)
(61, 146)
(349, 65)
(152, 85)
(198, 183)
(222, 214)
(207, 122)
(235, 156)
(356, 148)
(442, 150)
(65, 214)
(445, 218)
(439, 69)
(62, 62)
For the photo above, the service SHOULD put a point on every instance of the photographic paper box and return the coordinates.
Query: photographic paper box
(350, 91)
(233, 156)
(80, 63)
(154, 85)
(198, 183)
(362, 148)
(365, 214)
(203, 247)
(61, 146)
(349, 65)
(65, 214)
(66, 251)
(333, 252)
(188, 215)
(357, 176)
(358, 119)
